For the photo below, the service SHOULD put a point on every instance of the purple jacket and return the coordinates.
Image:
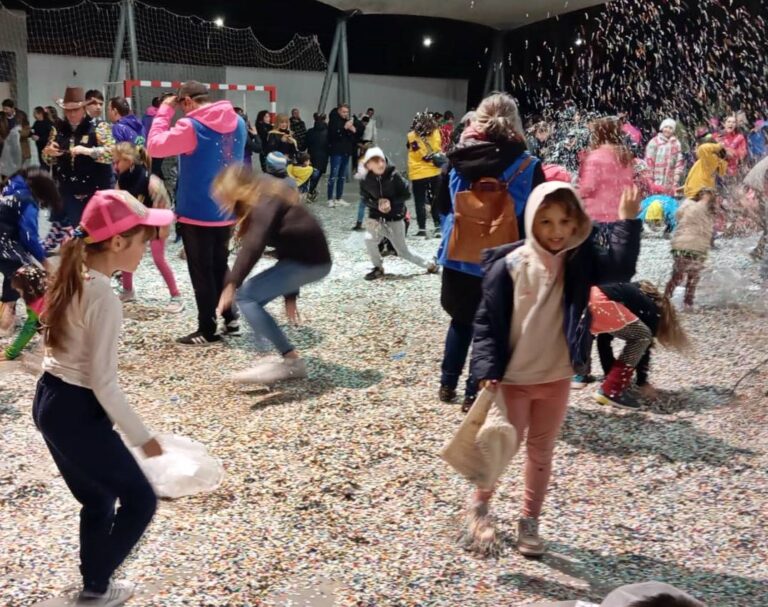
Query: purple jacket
(129, 129)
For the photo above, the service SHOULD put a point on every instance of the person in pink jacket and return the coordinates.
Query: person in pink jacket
(606, 171)
(735, 145)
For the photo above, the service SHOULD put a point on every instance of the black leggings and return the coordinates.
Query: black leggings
(425, 193)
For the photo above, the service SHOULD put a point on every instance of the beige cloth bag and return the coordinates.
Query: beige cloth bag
(485, 442)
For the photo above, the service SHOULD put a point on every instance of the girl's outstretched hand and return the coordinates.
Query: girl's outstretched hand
(152, 448)
(629, 206)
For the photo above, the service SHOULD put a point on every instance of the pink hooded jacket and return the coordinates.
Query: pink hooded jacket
(164, 140)
(602, 180)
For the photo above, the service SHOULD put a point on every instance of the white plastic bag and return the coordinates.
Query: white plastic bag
(184, 468)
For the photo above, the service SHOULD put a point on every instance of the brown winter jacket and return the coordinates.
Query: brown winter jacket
(695, 223)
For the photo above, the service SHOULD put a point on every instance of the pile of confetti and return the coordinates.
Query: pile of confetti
(334, 493)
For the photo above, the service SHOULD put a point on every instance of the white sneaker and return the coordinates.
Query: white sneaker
(126, 296)
(342, 203)
(432, 268)
(272, 372)
(331, 204)
(175, 306)
(117, 594)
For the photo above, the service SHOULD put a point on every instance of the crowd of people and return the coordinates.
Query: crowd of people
(539, 236)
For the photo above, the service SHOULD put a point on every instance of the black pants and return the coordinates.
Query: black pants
(157, 167)
(8, 267)
(207, 250)
(99, 470)
(425, 193)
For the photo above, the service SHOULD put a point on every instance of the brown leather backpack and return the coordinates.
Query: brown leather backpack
(483, 218)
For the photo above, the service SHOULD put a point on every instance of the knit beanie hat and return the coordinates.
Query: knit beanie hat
(276, 162)
(668, 122)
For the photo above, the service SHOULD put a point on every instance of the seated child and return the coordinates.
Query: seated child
(637, 313)
(30, 281)
(385, 192)
(303, 173)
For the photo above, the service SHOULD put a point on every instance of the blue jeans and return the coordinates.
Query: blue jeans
(99, 470)
(73, 208)
(283, 278)
(339, 165)
(457, 343)
(310, 184)
(360, 212)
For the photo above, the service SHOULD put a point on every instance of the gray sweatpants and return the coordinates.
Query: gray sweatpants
(395, 232)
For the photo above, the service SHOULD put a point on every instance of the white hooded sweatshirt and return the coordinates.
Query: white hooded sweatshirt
(539, 350)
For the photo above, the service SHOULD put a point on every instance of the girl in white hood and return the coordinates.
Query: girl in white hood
(532, 330)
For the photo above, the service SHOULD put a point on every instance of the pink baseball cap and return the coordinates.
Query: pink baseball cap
(112, 212)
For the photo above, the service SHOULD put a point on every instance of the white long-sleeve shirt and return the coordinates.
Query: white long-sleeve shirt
(92, 330)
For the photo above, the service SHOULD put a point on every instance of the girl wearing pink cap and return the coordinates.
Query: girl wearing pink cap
(78, 399)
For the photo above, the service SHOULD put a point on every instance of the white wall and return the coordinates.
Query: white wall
(49, 76)
(396, 98)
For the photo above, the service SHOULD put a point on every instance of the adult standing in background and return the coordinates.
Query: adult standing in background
(371, 133)
(344, 131)
(317, 146)
(299, 130)
(208, 138)
(81, 151)
(41, 130)
(263, 127)
(252, 139)
(423, 142)
(446, 131)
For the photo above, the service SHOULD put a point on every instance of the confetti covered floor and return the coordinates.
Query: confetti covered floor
(334, 494)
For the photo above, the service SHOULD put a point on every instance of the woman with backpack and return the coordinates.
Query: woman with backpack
(490, 169)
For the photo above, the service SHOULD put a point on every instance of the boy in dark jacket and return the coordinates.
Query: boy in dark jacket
(532, 329)
(384, 192)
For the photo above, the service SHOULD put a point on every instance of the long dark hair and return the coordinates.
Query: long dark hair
(260, 116)
(42, 186)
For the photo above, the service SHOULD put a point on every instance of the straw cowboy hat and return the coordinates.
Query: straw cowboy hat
(74, 98)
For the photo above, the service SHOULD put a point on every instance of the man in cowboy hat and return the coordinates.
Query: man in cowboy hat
(82, 154)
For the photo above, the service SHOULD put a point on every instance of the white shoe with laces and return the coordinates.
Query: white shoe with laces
(175, 306)
(342, 203)
(272, 372)
(117, 593)
(331, 204)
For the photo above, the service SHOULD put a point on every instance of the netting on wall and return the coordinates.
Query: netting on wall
(88, 29)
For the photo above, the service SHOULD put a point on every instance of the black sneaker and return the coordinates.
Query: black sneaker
(447, 394)
(199, 339)
(469, 400)
(421, 233)
(437, 233)
(625, 400)
(358, 227)
(312, 196)
(374, 274)
(231, 328)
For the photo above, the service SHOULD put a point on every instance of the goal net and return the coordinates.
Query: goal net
(252, 98)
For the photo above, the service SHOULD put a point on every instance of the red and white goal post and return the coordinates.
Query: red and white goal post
(129, 85)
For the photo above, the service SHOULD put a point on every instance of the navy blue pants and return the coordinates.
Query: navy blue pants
(99, 470)
(457, 344)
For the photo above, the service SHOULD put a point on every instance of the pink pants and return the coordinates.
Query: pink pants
(540, 409)
(158, 256)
